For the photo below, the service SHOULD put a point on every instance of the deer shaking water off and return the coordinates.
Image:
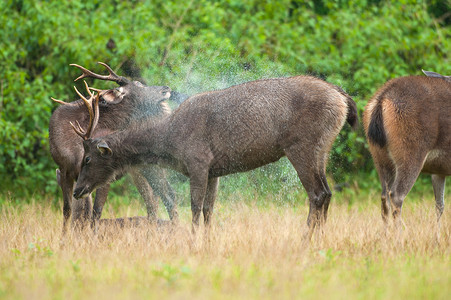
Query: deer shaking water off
(237, 129)
(408, 126)
(119, 107)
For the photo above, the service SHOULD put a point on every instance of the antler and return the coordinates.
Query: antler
(64, 103)
(93, 108)
(111, 77)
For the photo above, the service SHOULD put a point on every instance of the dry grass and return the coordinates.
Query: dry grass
(253, 252)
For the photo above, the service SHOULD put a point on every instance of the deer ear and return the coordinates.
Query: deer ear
(437, 75)
(432, 74)
(113, 96)
(104, 149)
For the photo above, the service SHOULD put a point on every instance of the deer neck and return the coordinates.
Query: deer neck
(143, 143)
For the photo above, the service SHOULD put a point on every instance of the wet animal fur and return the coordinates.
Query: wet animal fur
(237, 129)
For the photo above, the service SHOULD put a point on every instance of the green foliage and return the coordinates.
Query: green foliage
(194, 46)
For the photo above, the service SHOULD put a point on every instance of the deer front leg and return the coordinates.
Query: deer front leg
(81, 212)
(66, 183)
(147, 194)
(157, 179)
(99, 202)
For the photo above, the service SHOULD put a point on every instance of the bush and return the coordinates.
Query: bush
(202, 45)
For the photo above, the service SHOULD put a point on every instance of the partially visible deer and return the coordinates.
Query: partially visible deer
(233, 130)
(408, 126)
(119, 107)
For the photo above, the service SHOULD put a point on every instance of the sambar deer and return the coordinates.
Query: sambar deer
(408, 126)
(119, 107)
(237, 129)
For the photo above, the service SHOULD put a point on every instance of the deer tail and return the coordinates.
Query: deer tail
(352, 117)
(376, 131)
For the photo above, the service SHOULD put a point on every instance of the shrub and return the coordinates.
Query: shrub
(201, 45)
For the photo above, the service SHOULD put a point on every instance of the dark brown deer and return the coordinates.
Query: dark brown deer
(408, 126)
(119, 107)
(233, 130)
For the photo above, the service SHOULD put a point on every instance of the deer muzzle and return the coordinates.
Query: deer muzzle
(81, 192)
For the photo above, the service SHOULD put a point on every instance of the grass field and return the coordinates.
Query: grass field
(254, 252)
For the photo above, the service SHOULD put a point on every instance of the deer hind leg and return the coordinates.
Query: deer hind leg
(157, 179)
(407, 172)
(147, 194)
(207, 209)
(319, 195)
(328, 194)
(198, 188)
(386, 171)
(209, 201)
(311, 171)
(438, 183)
(385, 199)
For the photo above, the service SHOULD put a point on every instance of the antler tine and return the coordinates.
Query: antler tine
(81, 96)
(112, 73)
(78, 129)
(88, 90)
(58, 101)
(95, 90)
(87, 73)
(112, 76)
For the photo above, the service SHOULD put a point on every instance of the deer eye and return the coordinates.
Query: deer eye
(87, 160)
(102, 100)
